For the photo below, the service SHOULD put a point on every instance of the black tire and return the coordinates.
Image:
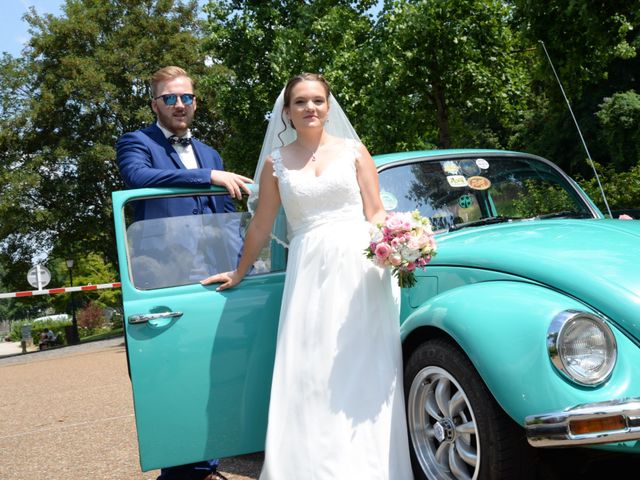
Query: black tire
(474, 438)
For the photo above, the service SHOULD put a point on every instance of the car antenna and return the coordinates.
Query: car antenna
(584, 144)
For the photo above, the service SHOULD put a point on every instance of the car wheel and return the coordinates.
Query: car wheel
(457, 429)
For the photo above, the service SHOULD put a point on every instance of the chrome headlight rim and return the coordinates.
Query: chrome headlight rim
(558, 328)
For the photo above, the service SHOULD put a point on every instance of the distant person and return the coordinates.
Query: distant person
(165, 154)
(47, 339)
(42, 344)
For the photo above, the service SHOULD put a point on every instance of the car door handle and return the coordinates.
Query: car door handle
(145, 317)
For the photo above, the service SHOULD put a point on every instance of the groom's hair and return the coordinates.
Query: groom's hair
(165, 74)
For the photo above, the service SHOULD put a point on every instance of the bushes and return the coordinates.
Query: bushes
(91, 321)
(37, 328)
(621, 188)
(91, 317)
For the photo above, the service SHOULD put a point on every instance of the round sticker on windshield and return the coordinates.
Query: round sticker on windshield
(469, 167)
(465, 201)
(389, 201)
(478, 183)
(482, 163)
(449, 167)
(457, 181)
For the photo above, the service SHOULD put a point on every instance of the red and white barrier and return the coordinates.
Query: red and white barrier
(51, 291)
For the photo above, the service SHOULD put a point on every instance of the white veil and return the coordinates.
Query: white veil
(280, 133)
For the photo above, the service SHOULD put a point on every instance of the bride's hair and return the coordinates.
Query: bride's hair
(293, 81)
(309, 77)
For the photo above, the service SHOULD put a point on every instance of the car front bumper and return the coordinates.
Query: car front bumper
(588, 424)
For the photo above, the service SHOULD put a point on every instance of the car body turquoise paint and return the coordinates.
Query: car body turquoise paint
(203, 373)
(492, 290)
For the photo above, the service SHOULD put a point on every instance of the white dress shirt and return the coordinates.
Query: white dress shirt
(187, 155)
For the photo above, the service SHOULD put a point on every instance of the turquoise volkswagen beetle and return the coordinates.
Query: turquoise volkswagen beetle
(522, 333)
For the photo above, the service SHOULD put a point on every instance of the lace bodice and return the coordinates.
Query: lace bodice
(311, 200)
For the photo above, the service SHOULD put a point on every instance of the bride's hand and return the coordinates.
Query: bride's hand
(225, 279)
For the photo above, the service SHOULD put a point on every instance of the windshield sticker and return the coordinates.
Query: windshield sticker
(482, 163)
(479, 183)
(469, 167)
(450, 168)
(465, 201)
(457, 181)
(389, 200)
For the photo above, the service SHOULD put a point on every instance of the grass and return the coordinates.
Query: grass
(116, 332)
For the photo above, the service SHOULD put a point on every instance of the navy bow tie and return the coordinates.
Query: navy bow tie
(184, 141)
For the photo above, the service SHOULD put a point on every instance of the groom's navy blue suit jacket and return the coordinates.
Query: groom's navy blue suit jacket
(147, 159)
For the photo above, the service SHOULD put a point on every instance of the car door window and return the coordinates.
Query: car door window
(173, 251)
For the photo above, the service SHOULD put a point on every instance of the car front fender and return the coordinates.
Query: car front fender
(502, 327)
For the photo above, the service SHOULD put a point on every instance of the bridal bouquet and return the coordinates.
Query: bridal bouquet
(404, 242)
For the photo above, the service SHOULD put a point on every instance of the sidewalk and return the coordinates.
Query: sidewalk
(73, 407)
(14, 348)
(11, 352)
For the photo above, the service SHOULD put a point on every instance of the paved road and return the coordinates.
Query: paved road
(67, 414)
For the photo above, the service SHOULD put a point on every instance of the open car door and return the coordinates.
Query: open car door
(200, 361)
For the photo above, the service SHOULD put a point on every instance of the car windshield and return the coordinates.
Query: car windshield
(479, 190)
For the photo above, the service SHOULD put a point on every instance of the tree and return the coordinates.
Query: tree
(257, 46)
(82, 82)
(444, 70)
(619, 116)
(594, 48)
(583, 38)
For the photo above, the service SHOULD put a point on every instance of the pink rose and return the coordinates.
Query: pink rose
(411, 266)
(382, 251)
(393, 223)
(395, 259)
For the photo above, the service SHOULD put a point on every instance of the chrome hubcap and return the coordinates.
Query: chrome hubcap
(442, 426)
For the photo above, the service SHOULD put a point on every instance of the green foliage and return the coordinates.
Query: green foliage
(418, 74)
(103, 333)
(37, 328)
(620, 119)
(257, 46)
(622, 189)
(539, 198)
(445, 74)
(594, 48)
(582, 38)
(82, 81)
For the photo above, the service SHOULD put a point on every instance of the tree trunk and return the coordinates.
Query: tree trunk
(442, 117)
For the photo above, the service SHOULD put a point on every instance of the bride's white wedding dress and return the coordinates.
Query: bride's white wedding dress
(337, 406)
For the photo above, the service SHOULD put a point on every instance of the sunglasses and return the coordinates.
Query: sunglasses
(171, 99)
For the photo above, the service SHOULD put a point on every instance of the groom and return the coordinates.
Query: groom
(166, 155)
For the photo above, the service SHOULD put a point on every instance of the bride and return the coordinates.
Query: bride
(337, 407)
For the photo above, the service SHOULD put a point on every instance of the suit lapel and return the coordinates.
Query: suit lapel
(199, 153)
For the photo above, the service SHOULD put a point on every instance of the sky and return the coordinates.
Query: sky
(13, 33)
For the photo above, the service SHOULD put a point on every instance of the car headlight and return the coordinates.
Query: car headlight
(582, 346)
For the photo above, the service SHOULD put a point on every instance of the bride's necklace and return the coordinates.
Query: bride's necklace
(312, 152)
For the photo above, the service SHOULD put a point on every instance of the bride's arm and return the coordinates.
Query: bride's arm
(258, 232)
(369, 186)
